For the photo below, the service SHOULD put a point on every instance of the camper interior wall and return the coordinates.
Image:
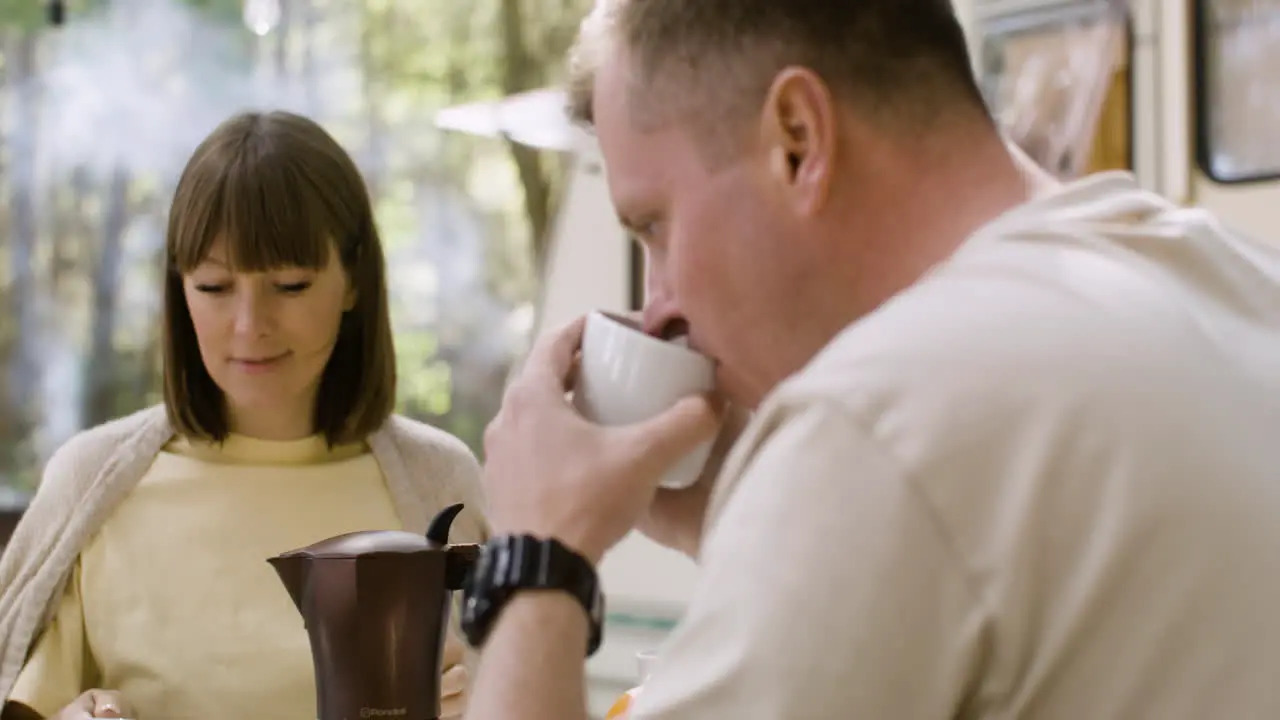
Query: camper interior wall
(965, 11)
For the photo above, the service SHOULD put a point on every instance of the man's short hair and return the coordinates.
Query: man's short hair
(905, 61)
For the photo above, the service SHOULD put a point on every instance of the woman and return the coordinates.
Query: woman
(140, 566)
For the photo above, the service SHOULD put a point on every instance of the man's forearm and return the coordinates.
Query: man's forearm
(532, 664)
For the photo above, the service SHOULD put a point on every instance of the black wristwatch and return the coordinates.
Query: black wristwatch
(511, 563)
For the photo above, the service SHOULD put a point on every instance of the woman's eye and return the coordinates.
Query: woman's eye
(293, 288)
(210, 288)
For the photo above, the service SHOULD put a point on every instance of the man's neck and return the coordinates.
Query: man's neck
(1039, 182)
(906, 213)
(972, 189)
(931, 204)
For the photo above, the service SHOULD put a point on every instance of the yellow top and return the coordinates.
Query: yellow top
(173, 603)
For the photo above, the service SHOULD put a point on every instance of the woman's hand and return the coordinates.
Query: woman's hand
(455, 682)
(96, 704)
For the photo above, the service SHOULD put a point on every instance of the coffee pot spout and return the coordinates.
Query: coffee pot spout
(292, 570)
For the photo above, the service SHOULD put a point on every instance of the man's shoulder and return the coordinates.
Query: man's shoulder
(1063, 304)
(965, 334)
(1004, 347)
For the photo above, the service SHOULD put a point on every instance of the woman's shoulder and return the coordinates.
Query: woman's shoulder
(117, 447)
(437, 468)
(419, 441)
(93, 447)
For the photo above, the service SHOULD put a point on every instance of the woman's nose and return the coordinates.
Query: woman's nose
(252, 314)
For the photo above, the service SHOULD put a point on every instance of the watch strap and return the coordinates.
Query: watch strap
(510, 564)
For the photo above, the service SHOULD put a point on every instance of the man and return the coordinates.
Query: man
(1011, 455)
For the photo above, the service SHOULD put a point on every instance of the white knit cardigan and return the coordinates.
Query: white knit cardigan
(425, 470)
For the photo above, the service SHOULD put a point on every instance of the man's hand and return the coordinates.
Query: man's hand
(550, 473)
(96, 704)
(675, 518)
(455, 682)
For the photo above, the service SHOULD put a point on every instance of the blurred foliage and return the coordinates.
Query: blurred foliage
(464, 219)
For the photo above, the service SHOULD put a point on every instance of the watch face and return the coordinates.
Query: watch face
(510, 564)
(475, 597)
(597, 606)
(480, 574)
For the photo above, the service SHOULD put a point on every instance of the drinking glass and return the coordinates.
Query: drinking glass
(621, 708)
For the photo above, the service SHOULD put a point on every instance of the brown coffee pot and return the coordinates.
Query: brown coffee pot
(376, 607)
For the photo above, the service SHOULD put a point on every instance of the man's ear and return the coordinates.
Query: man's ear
(799, 130)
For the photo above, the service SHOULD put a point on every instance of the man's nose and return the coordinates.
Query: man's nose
(660, 309)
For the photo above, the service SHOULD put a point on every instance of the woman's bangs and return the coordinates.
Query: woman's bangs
(263, 213)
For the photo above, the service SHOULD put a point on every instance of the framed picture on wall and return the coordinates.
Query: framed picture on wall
(1057, 76)
(1237, 45)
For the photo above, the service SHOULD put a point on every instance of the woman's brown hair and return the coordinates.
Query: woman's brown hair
(282, 193)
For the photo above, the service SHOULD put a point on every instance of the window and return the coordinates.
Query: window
(1058, 82)
(101, 114)
(1238, 89)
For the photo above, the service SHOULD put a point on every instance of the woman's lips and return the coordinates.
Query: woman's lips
(259, 365)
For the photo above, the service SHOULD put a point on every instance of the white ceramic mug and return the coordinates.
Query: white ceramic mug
(627, 376)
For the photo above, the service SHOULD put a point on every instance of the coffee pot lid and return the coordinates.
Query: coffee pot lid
(367, 542)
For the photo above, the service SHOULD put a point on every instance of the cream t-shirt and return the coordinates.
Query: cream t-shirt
(1043, 483)
(174, 604)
